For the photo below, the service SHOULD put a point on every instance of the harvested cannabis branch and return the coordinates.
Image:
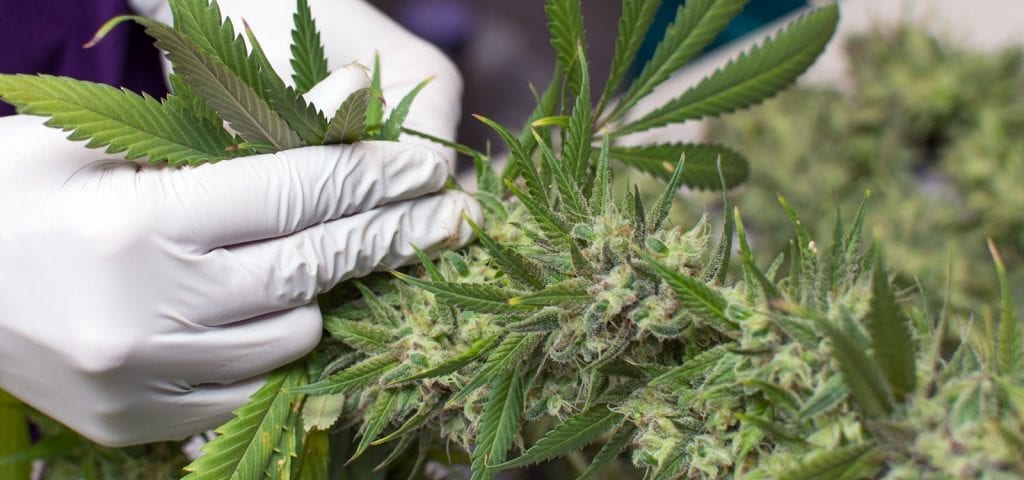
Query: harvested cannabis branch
(598, 320)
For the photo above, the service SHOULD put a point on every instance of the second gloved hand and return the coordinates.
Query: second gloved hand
(142, 303)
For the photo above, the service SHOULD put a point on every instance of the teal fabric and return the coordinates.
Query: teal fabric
(756, 14)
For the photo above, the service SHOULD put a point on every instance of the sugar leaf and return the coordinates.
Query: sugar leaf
(519, 268)
(569, 436)
(352, 378)
(1010, 344)
(610, 450)
(509, 354)
(695, 295)
(861, 374)
(664, 205)
(393, 125)
(376, 418)
(892, 343)
(499, 423)
(454, 363)
(365, 337)
(828, 463)
(471, 296)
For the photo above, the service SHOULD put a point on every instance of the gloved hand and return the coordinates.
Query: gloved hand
(142, 303)
(352, 31)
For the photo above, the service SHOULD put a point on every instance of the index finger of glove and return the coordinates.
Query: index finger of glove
(268, 196)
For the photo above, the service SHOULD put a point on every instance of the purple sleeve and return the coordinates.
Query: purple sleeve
(46, 36)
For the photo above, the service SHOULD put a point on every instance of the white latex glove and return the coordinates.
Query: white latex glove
(142, 303)
(351, 31)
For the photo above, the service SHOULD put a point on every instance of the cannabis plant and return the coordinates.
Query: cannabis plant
(928, 126)
(582, 311)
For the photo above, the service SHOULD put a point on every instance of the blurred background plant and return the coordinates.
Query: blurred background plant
(934, 130)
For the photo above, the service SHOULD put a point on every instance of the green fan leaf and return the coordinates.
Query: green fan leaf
(393, 126)
(201, 21)
(383, 313)
(365, 337)
(892, 343)
(316, 456)
(309, 63)
(562, 171)
(499, 423)
(246, 444)
(182, 97)
(565, 22)
(828, 463)
(1010, 353)
(636, 19)
(224, 91)
(349, 122)
(751, 78)
(571, 435)
(696, 296)
(696, 25)
(454, 363)
(702, 163)
(303, 118)
(120, 120)
(610, 450)
(351, 379)
(470, 296)
(286, 451)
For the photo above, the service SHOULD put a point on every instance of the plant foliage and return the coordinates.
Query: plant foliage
(596, 320)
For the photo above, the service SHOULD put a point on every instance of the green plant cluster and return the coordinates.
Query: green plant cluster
(931, 128)
(584, 320)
